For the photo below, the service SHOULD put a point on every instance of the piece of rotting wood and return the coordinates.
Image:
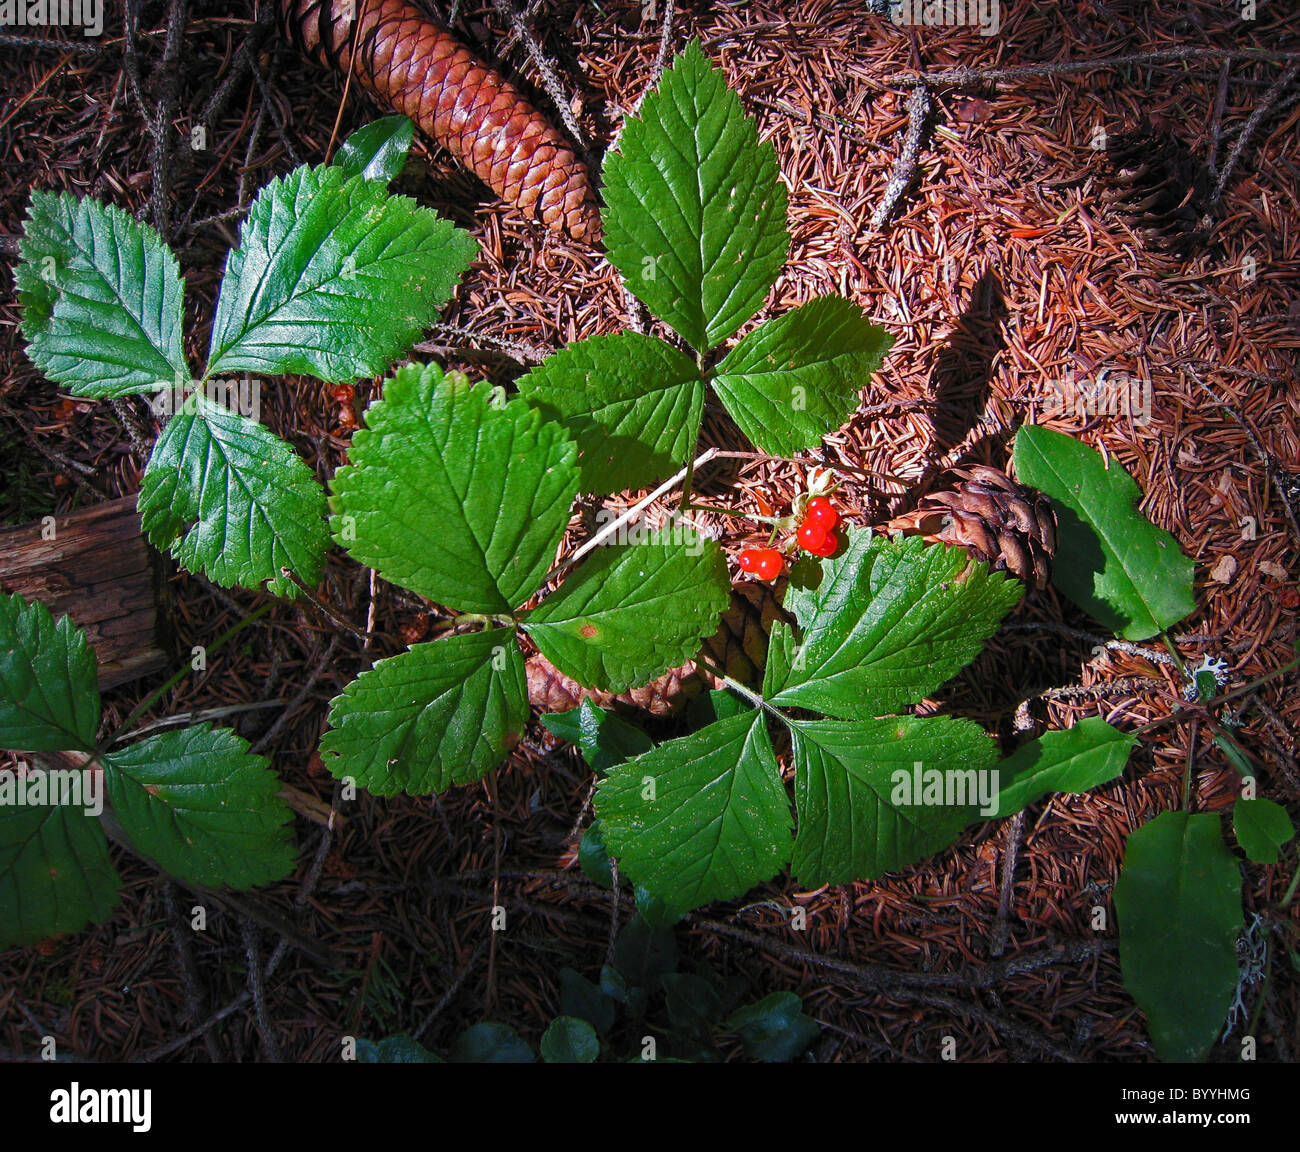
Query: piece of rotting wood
(94, 566)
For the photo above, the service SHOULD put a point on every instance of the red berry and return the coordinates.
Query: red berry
(824, 547)
(811, 536)
(765, 563)
(770, 564)
(821, 512)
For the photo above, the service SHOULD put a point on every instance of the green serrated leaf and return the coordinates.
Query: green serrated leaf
(1178, 900)
(49, 692)
(395, 1050)
(1262, 827)
(204, 807)
(101, 298)
(632, 611)
(55, 874)
(631, 402)
(452, 496)
(796, 378)
(232, 500)
(378, 150)
(490, 1043)
(587, 1001)
(700, 818)
(1110, 559)
(695, 207)
(569, 1040)
(1072, 760)
(604, 737)
(876, 795)
(441, 713)
(333, 278)
(890, 621)
(774, 1029)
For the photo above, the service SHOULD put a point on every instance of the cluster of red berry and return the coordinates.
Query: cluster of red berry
(816, 534)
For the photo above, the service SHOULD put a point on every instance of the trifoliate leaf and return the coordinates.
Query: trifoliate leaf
(232, 500)
(1110, 559)
(569, 1040)
(378, 150)
(700, 818)
(876, 795)
(55, 874)
(203, 806)
(695, 207)
(796, 378)
(632, 611)
(774, 1029)
(631, 402)
(1178, 900)
(49, 692)
(333, 278)
(439, 714)
(889, 622)
(1072, 760)
(101, 298)
(1262, 827)
(453, 496)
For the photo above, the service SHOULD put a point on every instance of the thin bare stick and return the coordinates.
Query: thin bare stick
(1266, 458)
(1216, 119)
(918, 108)
(1152, 654)
(256, 989)
(1252, 122)
(198, 716)
(661, 56)
(347, 82)
(524, 353)
(452, 989)
(960, 77)
(632, 513)
(321, 607)
(550, 81)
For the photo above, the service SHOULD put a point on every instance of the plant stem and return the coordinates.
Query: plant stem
(171, 683)
(631, 514)
(748, 693)
(1290, 891)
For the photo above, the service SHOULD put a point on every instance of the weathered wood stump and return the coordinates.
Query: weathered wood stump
(94, 566)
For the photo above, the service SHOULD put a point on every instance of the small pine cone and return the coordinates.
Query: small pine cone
(424, 72)
(1009, 526)
(738, 648)
(1160, 188)
(550, 690)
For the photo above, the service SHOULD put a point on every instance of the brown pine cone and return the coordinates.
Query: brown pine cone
(738, 648)
(424, 72)
(1160, 188)
(1005, 524)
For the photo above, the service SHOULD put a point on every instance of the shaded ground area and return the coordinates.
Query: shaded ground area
(1010, 272)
